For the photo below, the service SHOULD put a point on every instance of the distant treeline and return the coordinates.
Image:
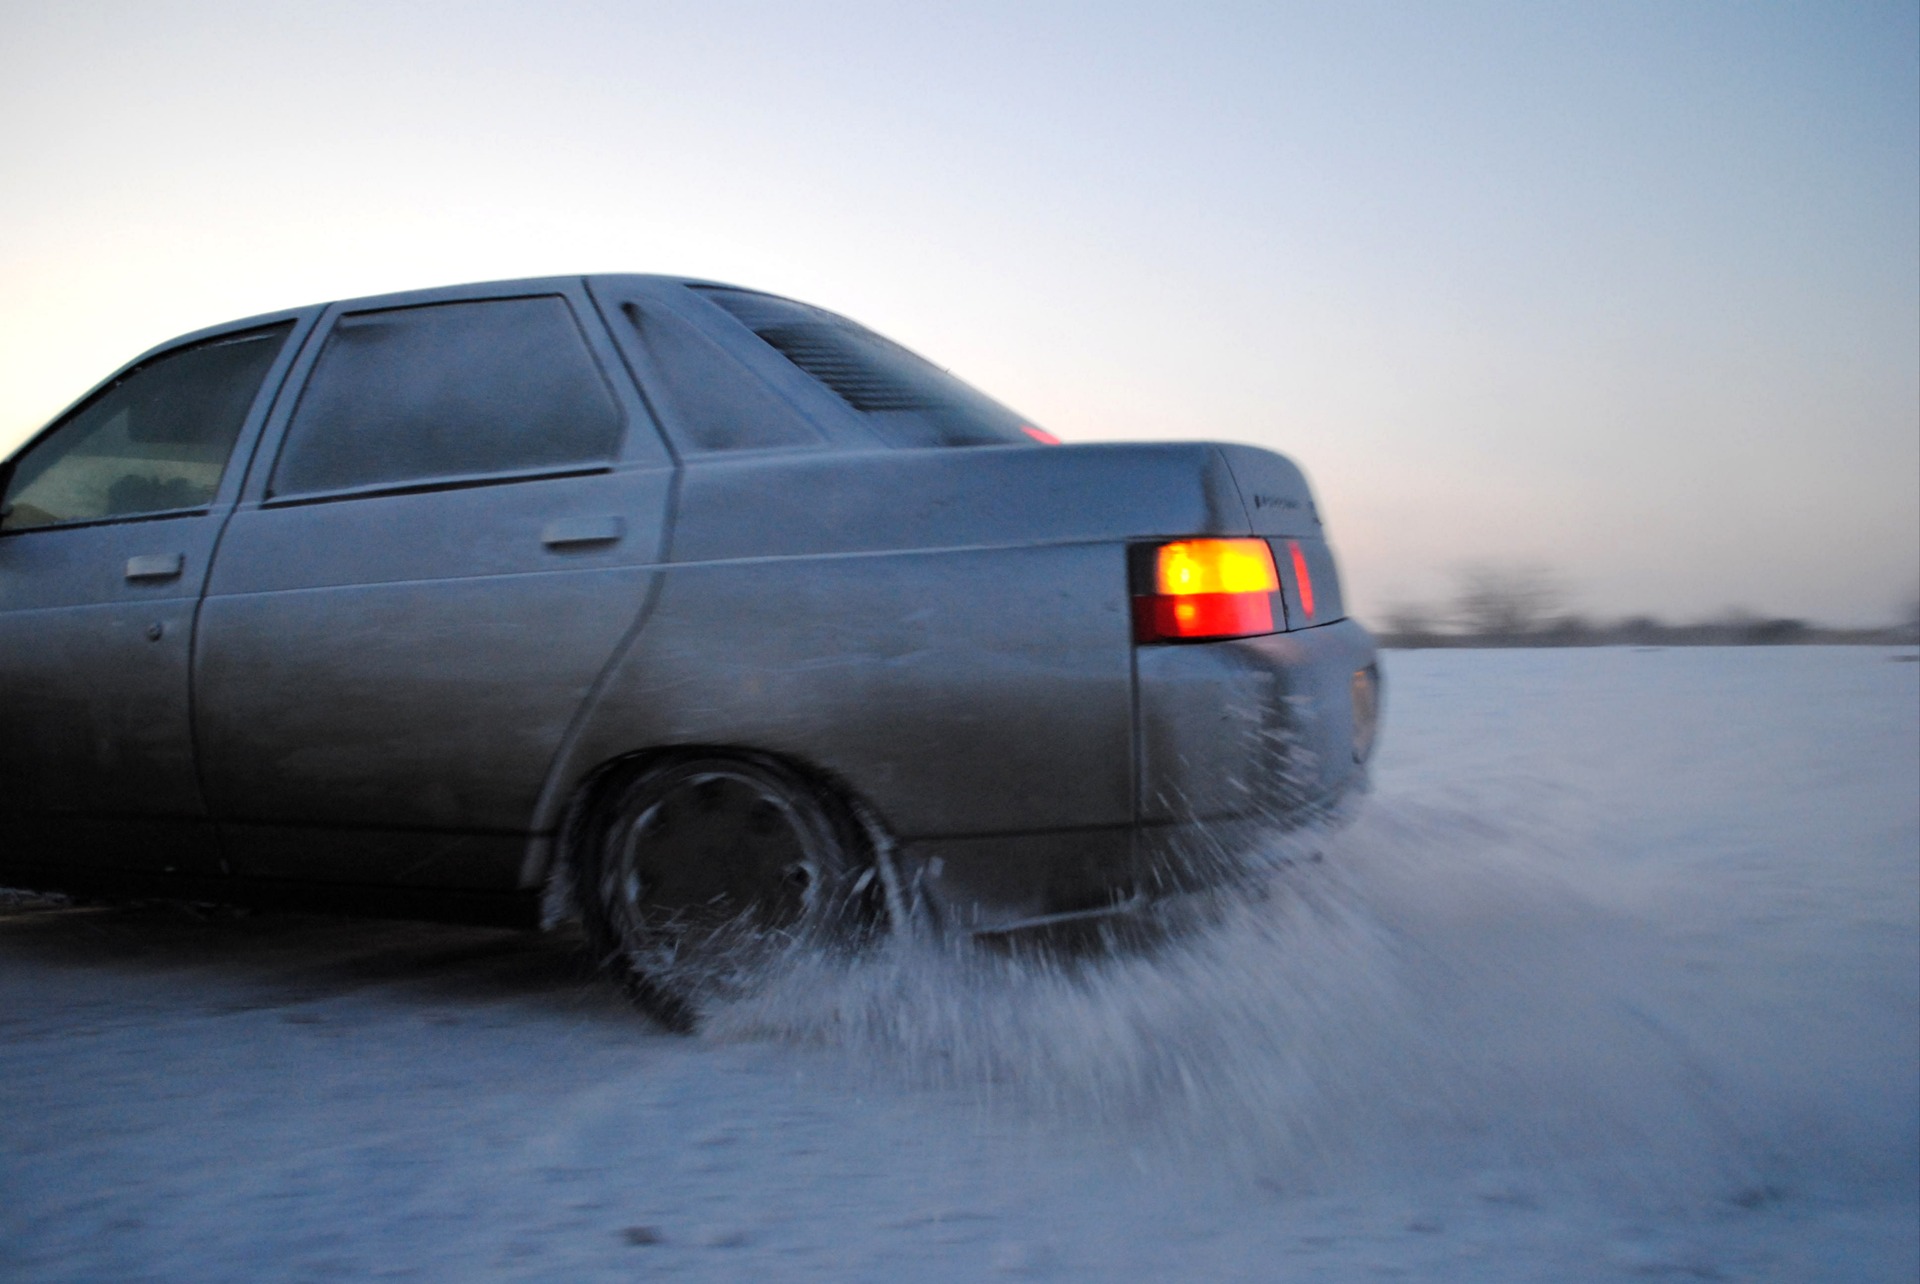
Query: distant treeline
(1647, 631)
(1526, 606)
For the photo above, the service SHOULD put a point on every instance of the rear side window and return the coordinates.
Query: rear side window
(710, 401)
(156, 440)
(907, 399)
(448, 391)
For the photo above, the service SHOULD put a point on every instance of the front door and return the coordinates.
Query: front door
(109, 523)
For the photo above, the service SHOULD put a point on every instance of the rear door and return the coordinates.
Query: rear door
(110, 520)
(449, 531)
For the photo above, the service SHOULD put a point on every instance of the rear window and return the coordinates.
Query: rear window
(907, 399)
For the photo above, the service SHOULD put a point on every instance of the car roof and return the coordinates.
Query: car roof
(517, 285)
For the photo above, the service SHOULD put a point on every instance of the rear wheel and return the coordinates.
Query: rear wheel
(697, 872)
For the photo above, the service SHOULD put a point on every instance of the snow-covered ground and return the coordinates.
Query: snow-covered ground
(1616, 977)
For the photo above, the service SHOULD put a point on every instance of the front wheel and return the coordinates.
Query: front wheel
(696, 872)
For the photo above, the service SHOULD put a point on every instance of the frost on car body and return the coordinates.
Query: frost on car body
(392, 602)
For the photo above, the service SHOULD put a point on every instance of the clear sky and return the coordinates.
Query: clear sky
(1627, 290)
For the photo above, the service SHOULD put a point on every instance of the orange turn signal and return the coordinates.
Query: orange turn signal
(1215, 566)
(1207, 588)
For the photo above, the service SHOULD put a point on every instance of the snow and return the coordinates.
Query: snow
(1615, 977)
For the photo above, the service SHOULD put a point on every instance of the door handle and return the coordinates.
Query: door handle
(569, 532)
(151, 567)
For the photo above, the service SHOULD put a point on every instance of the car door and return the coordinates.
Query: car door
(109, 523)
(449, 531)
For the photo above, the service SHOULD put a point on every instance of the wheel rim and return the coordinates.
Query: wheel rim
(713, 849)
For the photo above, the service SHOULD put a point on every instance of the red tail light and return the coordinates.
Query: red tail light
(1301, 577)
(1204, 588)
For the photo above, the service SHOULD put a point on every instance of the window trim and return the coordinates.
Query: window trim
(420, 486)
(165, 514)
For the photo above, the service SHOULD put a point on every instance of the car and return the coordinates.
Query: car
(652, 601)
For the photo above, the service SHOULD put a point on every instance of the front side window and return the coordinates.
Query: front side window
(448, 391)
(156, 440)
(907, 399)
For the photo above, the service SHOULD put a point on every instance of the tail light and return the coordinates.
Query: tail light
(1196, 589)
(1302, 577)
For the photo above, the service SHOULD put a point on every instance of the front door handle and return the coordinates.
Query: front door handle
(570, 532)
(153, 567)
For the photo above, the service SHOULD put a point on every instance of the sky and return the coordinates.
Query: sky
(1626, 291)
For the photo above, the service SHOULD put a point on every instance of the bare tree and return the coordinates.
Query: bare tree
(1411, 620)
(1507, 599)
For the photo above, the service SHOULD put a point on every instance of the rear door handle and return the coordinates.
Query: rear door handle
(570, 532)
(150, 567)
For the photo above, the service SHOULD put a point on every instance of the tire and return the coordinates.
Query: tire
(697, 872)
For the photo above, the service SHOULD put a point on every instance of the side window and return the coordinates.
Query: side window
(156, 440)
(710, 400)
(448, 390)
